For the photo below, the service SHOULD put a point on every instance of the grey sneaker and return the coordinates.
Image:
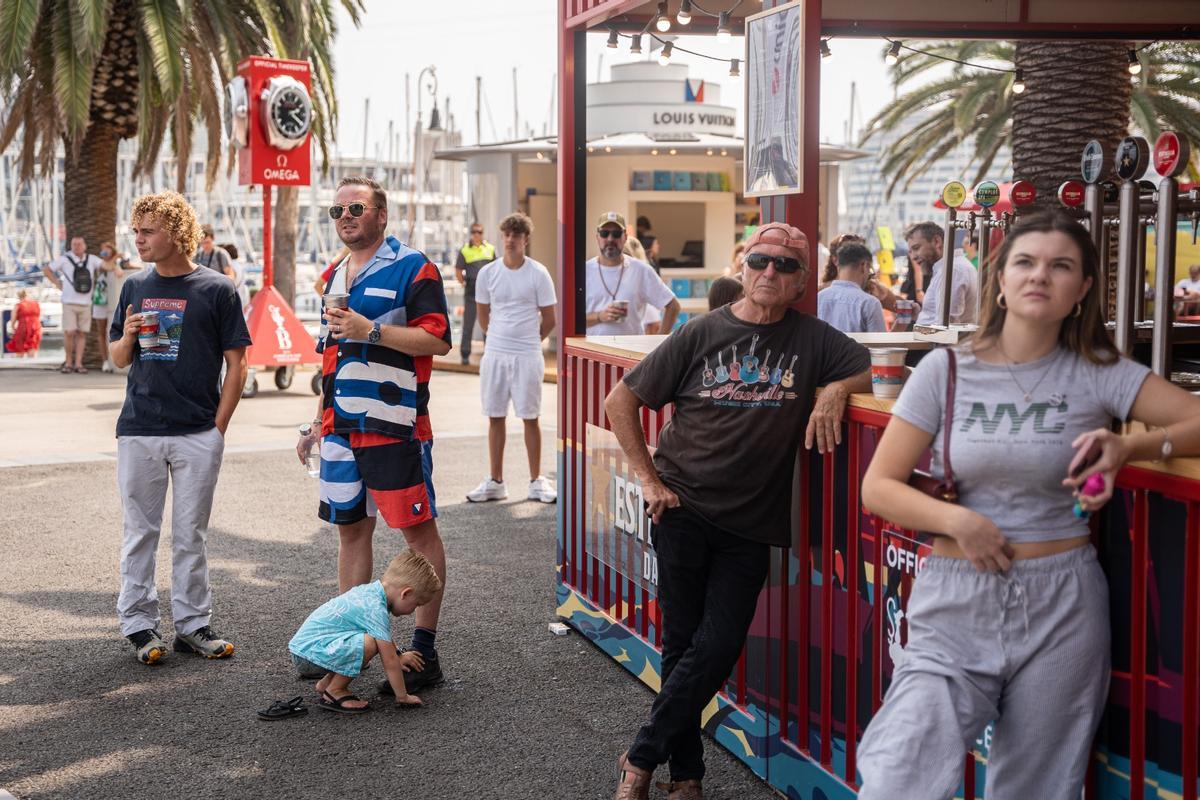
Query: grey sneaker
(203, 642)
(149, 645)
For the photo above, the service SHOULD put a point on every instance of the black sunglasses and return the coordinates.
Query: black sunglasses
(475, 231)
(610, 233)
(760, 261)
(355, 209)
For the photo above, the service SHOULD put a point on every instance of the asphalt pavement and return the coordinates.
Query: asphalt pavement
(524, 714)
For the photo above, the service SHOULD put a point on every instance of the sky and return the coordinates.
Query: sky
(491, 38)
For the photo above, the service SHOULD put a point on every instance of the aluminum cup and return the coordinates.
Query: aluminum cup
(887, 371)
(623, 305)
(148, 330)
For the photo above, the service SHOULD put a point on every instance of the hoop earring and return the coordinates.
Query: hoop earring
(1078, 310)
(1000, 301)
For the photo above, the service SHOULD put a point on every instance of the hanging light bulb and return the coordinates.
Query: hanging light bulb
(723, 32)
(663, 23)
(734, 68)
(1135, 65)
(635, 44)
(1018, 86)
(893, 55)
(612, 38)
(664, 55)
(825, 51)
(685, 12)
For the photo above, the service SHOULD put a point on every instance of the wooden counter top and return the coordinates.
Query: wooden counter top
(635, 348)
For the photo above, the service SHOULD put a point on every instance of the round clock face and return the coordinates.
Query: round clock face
(291, 112)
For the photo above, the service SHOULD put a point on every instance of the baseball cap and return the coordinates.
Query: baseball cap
(780, 237)
(611, 218)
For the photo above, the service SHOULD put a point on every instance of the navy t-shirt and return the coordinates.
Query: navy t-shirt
(172, 388)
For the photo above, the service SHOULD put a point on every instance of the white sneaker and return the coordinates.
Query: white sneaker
(107, 366)
(542, 490)
(488, 490)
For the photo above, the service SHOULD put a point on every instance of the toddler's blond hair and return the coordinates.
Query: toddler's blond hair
(410, 568)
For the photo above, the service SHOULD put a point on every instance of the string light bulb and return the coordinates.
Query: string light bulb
(612, 39)
(1135, 64)
(825, 51)
(635, 44)
(664, 55)
(723, 31)
(685, 12)
(663, 23)
(734, 68)
(893, 55)
(1018, 86)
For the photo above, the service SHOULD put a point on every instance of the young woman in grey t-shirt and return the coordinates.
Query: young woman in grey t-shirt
(1008, 620)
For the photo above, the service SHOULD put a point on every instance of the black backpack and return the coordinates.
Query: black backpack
(81, 279)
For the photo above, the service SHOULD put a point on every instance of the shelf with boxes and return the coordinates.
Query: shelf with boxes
(666, 180)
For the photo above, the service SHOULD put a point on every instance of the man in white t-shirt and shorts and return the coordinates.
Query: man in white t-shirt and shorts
(619, 288)
(67, 273)
(514, 297)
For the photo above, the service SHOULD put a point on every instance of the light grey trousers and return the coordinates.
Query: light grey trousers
(1028, 649)
(144, 466)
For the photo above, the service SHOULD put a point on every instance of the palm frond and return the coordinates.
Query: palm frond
(91, 22)
(72, 73)
(18, 21)
(162, 26)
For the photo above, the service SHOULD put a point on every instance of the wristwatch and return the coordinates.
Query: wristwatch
(373, 336)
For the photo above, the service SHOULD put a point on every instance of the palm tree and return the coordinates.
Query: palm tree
(1073, 93)
(89, 73)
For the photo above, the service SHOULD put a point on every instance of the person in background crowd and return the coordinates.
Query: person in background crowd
(472, 257)
(619, 288)
(74, 274)
(1187, 292)
(734, 270)
(970, 247)
(213, 257)
(644, 231)
(239, 274)
(846, 303)
(376, 446)
(652, 319)
(723, 291)
(516, 302)
(1008, 620)
(173, 424)
(924, 241)
(104, 298)
(915, 280)
(829, 272)
(652, 248)
(27, 326)
(713, 527)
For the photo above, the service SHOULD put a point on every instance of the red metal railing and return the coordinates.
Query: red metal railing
(791, 606)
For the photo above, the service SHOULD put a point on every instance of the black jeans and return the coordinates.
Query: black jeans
(708, 586)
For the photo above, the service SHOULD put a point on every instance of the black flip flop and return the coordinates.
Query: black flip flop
(337, 704)
(282, 709)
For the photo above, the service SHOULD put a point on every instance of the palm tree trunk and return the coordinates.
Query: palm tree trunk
(287, 220)
(90, 199)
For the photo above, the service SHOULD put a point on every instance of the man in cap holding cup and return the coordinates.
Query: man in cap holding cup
(619, 287)
(742, 380)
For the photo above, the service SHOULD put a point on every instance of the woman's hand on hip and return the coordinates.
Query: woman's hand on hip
(981, 541)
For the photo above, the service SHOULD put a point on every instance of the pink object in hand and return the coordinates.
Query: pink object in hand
(1094, 485)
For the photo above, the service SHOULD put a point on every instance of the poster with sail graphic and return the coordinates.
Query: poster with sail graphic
(774, 107)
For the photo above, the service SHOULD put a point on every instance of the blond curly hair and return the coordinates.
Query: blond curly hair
(176, 216)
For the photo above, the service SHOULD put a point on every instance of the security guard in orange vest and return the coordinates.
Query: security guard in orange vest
(474, 256)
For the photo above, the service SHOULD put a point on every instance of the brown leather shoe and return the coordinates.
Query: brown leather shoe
(682, 790)
(633, 783)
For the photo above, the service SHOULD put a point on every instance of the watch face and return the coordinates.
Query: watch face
(291, 113)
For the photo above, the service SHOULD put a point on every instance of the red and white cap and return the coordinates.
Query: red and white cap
(779, 239)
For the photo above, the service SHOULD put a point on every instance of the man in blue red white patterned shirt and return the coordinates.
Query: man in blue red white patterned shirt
(373, 416)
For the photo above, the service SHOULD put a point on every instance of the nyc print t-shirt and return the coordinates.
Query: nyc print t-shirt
(743, 394)
(1010, 453)
(172, 387)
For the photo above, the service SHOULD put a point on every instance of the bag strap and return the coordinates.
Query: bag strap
(951, 380)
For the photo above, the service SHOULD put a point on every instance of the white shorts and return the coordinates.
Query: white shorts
(76, 317)
(504, 377)
(100, 312)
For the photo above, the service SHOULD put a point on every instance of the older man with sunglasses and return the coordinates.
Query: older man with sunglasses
(719, 487)
(620, 287)
(385, 312)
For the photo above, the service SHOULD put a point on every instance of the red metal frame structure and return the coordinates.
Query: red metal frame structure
(814, 621)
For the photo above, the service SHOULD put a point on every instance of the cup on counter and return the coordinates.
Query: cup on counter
(337, 300)
(904, 315)
(148, 330)
(887, 371)
(623, 305)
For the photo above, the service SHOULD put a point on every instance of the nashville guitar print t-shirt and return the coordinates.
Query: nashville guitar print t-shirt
(742, 393)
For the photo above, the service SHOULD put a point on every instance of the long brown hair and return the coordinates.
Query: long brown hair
(1084, 334)
(829, 271)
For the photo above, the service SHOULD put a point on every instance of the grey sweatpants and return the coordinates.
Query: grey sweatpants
(144, 465)
(1028, 649)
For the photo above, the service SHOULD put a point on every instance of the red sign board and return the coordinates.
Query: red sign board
(1022, 193)
(279, 338)
(262, 162)
(1171, 153)
(1070, 194)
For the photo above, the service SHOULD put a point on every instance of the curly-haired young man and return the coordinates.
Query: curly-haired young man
(175, 324)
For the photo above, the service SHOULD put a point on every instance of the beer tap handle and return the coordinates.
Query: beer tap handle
(1195, 224)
